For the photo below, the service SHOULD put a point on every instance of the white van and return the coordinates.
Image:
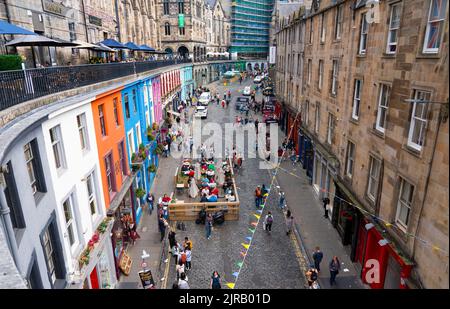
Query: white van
(205, 98)
(201, 112)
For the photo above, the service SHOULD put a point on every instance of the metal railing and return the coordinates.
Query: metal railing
(23, 85)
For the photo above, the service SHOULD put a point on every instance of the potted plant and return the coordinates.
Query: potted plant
(155, 126)
(152, 168)
(140, 193)
(133, 157)
(159, 149)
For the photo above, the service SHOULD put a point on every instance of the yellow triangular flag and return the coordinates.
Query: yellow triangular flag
(230, 285)
(388, 224)
(257, 216)
(245, 245)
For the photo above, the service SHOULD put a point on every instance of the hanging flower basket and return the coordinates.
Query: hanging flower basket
(140, 193)
(150, 136)
(152, 168)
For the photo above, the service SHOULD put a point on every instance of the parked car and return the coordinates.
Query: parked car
(269, 117)
(201, 112)
(205, 98)
(247, 90)
(231, 74)
(241, 102)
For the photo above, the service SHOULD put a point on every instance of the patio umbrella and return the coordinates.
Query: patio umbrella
(33, 40)
(113, 44)
(7, 28)
(147, 48)
(103, 47)
(132, 46)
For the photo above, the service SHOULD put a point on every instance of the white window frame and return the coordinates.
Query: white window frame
(404, 203)
(138, 134)
(92, 197)
(441, 21)
(393, 29)
(110, 181)
(131, 144)
(323, 28)
(82, 132)
(373, 181)
(317, 118)
(57, 146)
(351, 150)
(321, 68)
(30, 167)
(311, 34)
(338, 22)
(334, 78)
(309, 71)
(330, 130)
(363, 35)
(306, 113)
(70, 223)
(356, 108)
(382, 106)
(147, 118)
(419, 119)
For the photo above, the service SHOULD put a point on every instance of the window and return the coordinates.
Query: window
(131, 141)
(383, 103)
(310, 31)
(330, 132)
(363, 35)
(116, 113)
(322, 27)
(320, 74)
(417, 128)
(166, 7)
(102, 120)
(334, 78)
(299, 66)
(70, 224)
(435, 26)
(306, 114)
(90, 186)
(55, 138)
(180, 6)
(52, 253)
(167, 29)
(394, 25)
(338, 23)
(127, 106)
(29, 158)
(110, 173)
(138, 134)
(182, 31)
(404, 203)
(350, 162)
(81, 123)
(356, 99)
(134, 101)
(123, 163)
(72, 32)
(374, 175)
(317, 118)
(12, 199)
(309, 71)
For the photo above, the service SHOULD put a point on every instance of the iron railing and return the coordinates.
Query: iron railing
(23, 85)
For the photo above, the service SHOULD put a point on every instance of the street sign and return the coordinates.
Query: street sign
(272, 54)
(146, 278)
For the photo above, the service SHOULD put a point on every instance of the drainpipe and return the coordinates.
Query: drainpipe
(9, 230)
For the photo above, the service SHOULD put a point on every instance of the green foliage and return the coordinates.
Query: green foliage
(140, 193)
(10, 62)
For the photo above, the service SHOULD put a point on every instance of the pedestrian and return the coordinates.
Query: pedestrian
(133, 233)
(188, 257)
(208, 225)
(179, 269)
(175, 286)
(268, 222)
(229, 95)
(335, 266)
(187, 243)
(182, 282)
(166, 150)
(150, 202)
(311, 276)
(215, 281)
(176, 252)
(282, 200)
(289, 222)
(223, 103)
(326, 202)
(172, 240)
(258, 196)
(293, 156)
(317, 257)
(169, 142)
(162, 226)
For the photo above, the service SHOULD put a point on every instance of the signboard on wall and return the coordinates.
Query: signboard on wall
(272, 54)
(95, 20)
(55, 8)
(181, 20)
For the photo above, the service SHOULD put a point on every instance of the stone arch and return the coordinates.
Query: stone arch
(183, 51)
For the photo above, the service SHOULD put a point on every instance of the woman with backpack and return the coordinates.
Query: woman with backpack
(311, 276)
(215, 281)
(268, 222)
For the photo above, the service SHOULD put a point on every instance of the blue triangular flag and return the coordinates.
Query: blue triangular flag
(235, 274)
(248, 238)
(260, 211)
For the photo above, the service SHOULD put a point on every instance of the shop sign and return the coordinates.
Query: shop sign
(55, 8)
(181, 20)
(95, 20)
(146, 278)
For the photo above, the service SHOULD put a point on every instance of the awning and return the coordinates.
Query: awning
(7, 28)
(63, 43)
(146, 48)
(121, 194)
(113, 44)
(33, 40)
(104, 48)
(132, 46)
(86, 45)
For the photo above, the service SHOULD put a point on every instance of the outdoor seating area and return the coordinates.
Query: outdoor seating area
(204, 184)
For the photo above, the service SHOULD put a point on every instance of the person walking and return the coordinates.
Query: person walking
(326, 202)
(179, 269)
(311, 276)
(215, 281)
(188, 257)
(268, 222)
(289, 222)
(169, 143)
(150, 202)
(317, 257)
(182, 282)
(162, 226)
(335, 266)
(293, 156)
(187, 243)
(172, 240)
(208, 225)
(258, 196)
(282, 201)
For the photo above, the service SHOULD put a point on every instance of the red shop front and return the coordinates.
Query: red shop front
(373, 250)
(292, 128)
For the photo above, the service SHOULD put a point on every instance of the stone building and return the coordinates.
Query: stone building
(218, 28)
(182, 26)
(378, 154)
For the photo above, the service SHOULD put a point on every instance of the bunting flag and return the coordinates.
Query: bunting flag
(252, 231)
(230, 285)
(254, 224)
(259, 211)
(243, 253)
(248, 238)
(257, 216)
(239, 264)
(235, 273)
(245, 245)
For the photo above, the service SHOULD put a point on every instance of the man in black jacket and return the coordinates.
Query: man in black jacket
(325, 201)
(317, 257)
